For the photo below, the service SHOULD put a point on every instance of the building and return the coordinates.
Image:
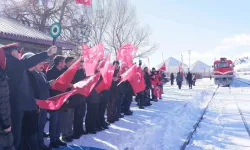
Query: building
(30, 39)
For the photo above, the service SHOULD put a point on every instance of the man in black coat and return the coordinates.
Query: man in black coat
(190, 79)
(6, 137)
(56, 117)
(80, 108)
(41, 87)
(148, 86)
(112, 103)
(68, 114)
(20, 97)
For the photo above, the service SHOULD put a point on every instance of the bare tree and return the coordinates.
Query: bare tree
(40, 14)
(124, 28)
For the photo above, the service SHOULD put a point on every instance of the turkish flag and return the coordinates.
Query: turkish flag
(2, 59)
(86, 86)
(84, 2)
(90, 66)
(109, 76)
(128, 74)
(54, 103)
(163, 67)
(96, 51)
(137, 81)
(126, 53)
(62, 83)
(104, 69)
(124, 68)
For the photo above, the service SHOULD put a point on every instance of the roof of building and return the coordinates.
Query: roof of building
(11, 29)
(200, 66)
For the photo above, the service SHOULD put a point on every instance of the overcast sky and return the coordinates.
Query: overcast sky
(210, 28)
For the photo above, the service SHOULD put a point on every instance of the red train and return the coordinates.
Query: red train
(223, 72)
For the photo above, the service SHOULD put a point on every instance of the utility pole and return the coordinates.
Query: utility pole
(189, 53)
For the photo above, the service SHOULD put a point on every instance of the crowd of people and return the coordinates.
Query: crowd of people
(190, 78)
(25, 80)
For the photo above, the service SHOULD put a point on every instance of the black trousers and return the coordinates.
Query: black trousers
(127, 100)
(102, 108)
(119, 104)
(91, 116)
(6, 140)
(190, 84)
(179, 84)
(172, 82)
(79, 114)
(141, 99)
(29, 131)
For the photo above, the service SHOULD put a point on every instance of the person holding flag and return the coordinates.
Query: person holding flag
(20, 97)
(56, 117)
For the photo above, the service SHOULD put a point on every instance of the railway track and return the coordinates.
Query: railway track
(190, 135)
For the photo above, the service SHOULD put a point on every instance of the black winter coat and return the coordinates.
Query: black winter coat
(53, 74)
(77, 99)
(5, 118)
(189, 77)
(147, 80)
(40, 85)
(21, 98)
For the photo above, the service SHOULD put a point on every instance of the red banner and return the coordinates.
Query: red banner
(126, 54)
(54, 103)
(128, 74)
(62, 83)
(137, 81)
(86, 86)
(109, 75)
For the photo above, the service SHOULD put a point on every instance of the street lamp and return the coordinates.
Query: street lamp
(189, 52)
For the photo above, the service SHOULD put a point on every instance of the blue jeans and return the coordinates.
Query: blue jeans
(41, 125)
(55, 125)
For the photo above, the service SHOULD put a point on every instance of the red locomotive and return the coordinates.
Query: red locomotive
(223, 72)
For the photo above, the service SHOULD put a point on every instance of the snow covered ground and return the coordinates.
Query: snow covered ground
(166, 124)
(222, 126)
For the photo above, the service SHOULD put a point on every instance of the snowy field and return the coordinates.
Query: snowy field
(222, 126)
(166, 124)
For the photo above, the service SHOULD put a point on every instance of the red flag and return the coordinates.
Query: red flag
(90, 66)
(126, 53)
(54, 103)
(2, 59)
(137, 81)
(84, 2)
(124, 67)
(105, 69)
(109, 75)
(129, 73)
(163, 67)
(96, 51)
(63, 82)
(86, 86)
